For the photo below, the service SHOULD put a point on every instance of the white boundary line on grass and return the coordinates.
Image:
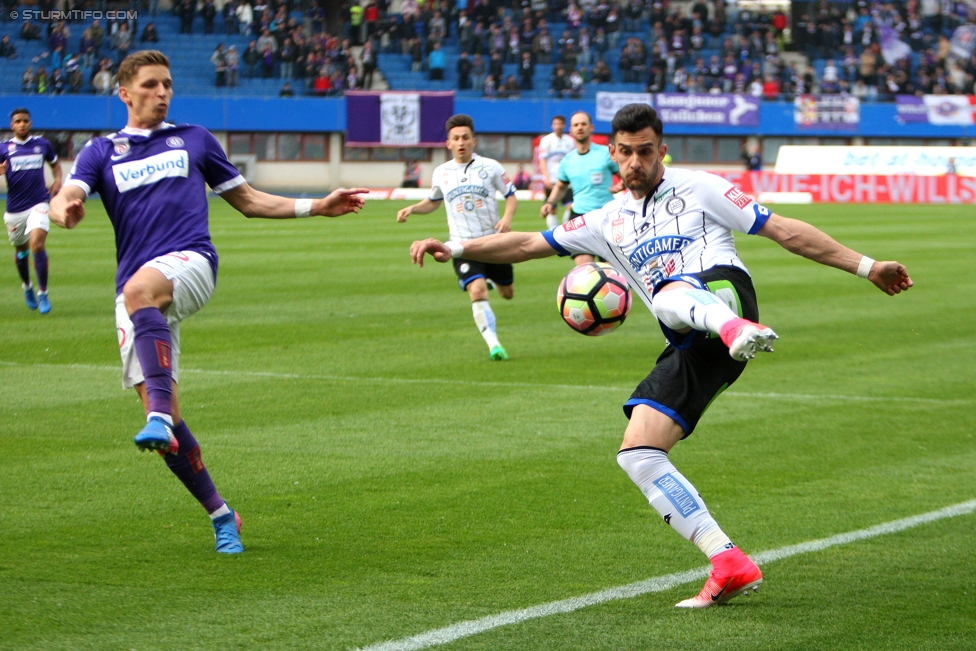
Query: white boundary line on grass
(460, 630)
(476, 383)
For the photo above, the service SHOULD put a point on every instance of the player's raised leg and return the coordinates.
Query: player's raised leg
(484, 318)
(186, 463)
(38, 239)
(147, 293)
(682, 306)
(644, 457)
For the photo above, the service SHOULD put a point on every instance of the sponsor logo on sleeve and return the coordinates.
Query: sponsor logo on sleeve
(618, 230)
(574, 224)
(138, 173)
(738, 197)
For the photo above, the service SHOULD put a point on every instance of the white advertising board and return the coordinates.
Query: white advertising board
(882, 161)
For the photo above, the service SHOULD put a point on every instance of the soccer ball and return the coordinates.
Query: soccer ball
(593, 299)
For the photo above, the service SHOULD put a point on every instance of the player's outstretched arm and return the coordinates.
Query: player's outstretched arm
(810, 242)
(254, 203)
(68, 206)
(498, 248)
(423, 208)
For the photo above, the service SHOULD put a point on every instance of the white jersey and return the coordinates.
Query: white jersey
(553, 149)
(685, 226)
(468, 192)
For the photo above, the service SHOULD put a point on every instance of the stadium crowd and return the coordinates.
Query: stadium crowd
(870, 49)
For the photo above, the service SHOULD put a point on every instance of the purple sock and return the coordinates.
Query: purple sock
(40, 266)
(22, 258)
(189, 468)
(153, 348)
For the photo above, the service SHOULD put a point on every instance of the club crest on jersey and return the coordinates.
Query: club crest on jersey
(574, 224)
(11, 147)
(676, 206)
(618, 230)
(738, 197)
(657, 246)
(121, 146)
(483, 174)
(174, 141)
(37, 150)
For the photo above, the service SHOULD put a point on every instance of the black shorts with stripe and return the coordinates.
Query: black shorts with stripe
(469, 270)
(696, 367)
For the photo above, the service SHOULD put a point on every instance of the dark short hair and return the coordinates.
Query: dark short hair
(588, 116)
(459, 120)
(18, 111)
(562, 118)
(636, 117)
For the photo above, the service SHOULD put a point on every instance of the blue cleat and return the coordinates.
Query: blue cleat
(227, 531)
(43, 303)
(30, 298)
(157, 435)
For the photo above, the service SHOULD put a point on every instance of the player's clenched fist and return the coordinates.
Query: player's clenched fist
(403, 214)
(437, 249)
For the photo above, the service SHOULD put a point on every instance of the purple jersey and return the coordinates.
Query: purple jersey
(153, 186)
(26, 186)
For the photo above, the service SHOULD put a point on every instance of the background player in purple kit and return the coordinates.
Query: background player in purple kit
(152, 179)
(22, 159)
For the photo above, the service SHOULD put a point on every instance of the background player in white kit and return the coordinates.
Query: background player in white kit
(671, 235)
(467, 186)
(552, 149)
(22, 160)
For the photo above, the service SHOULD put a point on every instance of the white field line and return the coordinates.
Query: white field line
(475, 383)
(460, 630)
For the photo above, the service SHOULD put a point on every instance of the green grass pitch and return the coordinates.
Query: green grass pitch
(393, 480)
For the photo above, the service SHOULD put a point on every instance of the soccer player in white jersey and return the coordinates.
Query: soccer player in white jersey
(671, 236)
(552, 149)
(22, 160)
(152, 177)
(467, 185)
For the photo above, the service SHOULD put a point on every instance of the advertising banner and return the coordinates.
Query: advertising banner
(684, 108)
(857, 188)
(391, 119)
(954, 110)
(920, 161)
(607, 104)
(827, 111)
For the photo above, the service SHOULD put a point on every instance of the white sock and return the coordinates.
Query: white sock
(223, 510)
(566, 214)
(674, 498)
(484, 318)
(552, 221)
(694, 308)
(159, 414)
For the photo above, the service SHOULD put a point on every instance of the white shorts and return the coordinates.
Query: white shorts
(20, 224)
(193, 285)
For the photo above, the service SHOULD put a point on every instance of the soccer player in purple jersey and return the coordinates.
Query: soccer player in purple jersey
(152, 179)
(22, 160)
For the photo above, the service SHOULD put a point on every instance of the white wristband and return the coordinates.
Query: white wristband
(457, 249)
(303, 207)
(864, 268)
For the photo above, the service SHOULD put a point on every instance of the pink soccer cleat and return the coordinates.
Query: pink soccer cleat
(744, 338)
(733, 573)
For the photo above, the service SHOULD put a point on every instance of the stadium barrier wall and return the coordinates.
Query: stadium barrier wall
(516, 116)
